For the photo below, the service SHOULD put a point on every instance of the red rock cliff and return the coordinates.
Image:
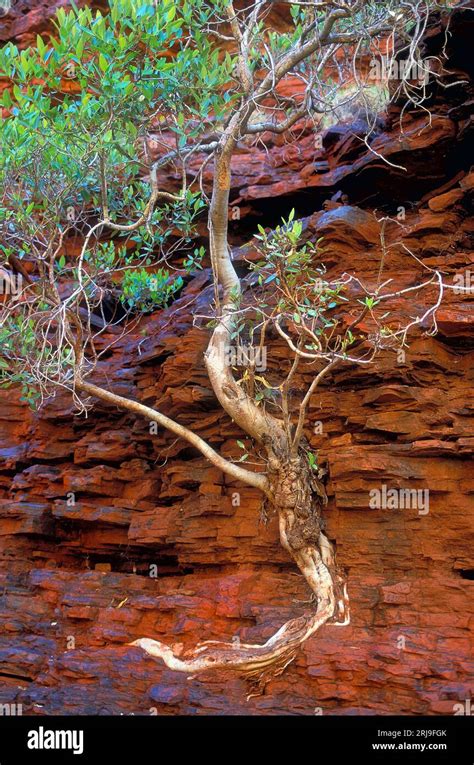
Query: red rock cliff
(75, 578)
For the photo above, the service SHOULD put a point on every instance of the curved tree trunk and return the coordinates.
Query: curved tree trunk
(291, 490)
(243, 410)
(292, 497)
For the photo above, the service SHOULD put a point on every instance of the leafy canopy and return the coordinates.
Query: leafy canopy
(77, 110)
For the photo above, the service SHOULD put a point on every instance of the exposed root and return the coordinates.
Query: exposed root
(301, 535)
(258, 680)
(247, 658)
(259, 663)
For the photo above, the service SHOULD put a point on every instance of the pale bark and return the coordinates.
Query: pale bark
(291, 491)
(241, 408)
(290, 486)
(259, 662)
(258, 480)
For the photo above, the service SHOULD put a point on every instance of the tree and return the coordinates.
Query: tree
(92, 118)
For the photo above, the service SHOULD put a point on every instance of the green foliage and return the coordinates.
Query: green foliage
(76, 161)
(369, 302)
(242, 446)
(312, 460)
(296, 269)
(303, 298)
(91, 92)
(194, 260)
(79, 108)
(146, 291)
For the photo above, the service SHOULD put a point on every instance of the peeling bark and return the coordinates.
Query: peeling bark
(292, 497)
(292, 489)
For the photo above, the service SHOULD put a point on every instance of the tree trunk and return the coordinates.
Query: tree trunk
(292, 490)
(296, 498)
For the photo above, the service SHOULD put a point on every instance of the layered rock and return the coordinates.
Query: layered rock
(110, 532)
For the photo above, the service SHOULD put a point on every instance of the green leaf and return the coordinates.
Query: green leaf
(270, 278)
(40, 45)
(7, 99)
(80, 47)
(171, 13)
(132, 129)
(103, 63)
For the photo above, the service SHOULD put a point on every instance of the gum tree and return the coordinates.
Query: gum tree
(92, 119)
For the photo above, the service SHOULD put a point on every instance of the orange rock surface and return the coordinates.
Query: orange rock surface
(109, 533)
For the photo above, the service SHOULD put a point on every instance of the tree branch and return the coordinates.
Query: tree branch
(258, 480)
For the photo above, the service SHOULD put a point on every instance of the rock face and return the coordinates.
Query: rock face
(110, 532)
(22, 20)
